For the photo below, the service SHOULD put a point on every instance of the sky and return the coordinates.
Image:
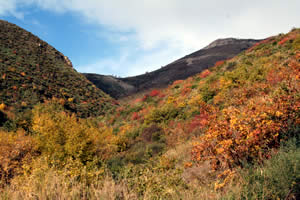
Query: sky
(131, 37)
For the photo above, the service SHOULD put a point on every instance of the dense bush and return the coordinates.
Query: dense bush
(278, 178)
(160, 115)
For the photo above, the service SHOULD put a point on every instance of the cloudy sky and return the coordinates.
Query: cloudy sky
(130, 37)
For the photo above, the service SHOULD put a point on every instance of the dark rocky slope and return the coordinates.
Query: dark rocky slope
(187, 66)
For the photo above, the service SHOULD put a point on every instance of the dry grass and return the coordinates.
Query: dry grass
(55, 186)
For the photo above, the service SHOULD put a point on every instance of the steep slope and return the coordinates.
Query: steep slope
(113, 86)
(187, 66)
(32, 71)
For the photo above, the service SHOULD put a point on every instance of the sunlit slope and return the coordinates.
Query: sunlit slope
(235, 112)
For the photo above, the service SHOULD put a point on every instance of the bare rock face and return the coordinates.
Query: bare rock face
(68, 61)
(183, 68)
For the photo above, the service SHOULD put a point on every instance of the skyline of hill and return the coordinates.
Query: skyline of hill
(32, 71)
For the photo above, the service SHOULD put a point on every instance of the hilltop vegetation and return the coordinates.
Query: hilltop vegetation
(31, 71)
(230, 132)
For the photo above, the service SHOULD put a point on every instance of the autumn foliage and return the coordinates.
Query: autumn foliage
(234, 114)
(154, 93)
(205, 73)
(218, 63)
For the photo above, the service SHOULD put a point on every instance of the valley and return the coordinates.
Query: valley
(220, 123)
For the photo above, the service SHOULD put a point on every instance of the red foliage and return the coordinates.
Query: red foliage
(198, 122)
(154, 93)
(221, 62)
(175, 83)
(287, 38)
(259, 43)
(237, 135)
(161, 95)
(205, 73)
(186, 90)
(135, 116)
(274, 77)
(145, 97)
(138, 100)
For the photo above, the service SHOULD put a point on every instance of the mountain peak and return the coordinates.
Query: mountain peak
(182, 68)
(229, 41)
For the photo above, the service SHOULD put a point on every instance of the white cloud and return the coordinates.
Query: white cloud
(133, 61)
(186, 25)
(10, 8)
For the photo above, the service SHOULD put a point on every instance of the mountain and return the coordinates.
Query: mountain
(32, 71)
(195, 136)
(183, 68)
(111, 85)
(228, 132)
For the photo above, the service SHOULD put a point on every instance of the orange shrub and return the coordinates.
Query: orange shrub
(154, 93)
(218, 63)
(205, 73)
(287, 38)
(16, 149)
(198, 122)
(245, 134)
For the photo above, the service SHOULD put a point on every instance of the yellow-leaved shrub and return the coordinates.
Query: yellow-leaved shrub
(63, 138)
(16, 149)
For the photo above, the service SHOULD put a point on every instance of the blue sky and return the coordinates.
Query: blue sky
(127, 38)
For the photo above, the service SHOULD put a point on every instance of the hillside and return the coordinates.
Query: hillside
(32, 71)
(183, 68)
(229, 132)
(113, 86)
(235, 114)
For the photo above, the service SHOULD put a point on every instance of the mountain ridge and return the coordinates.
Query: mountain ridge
(196, 62)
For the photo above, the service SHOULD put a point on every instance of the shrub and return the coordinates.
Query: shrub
(278, 178)
(154, 93)
(287, 38)
(135, 116)
(155, 148)
(61, 136)
(205, 73)
(239, 135)
(219, 63)
(152, 133)
(207, 94)
(161, 115)
(137, 153)
(16, 149)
